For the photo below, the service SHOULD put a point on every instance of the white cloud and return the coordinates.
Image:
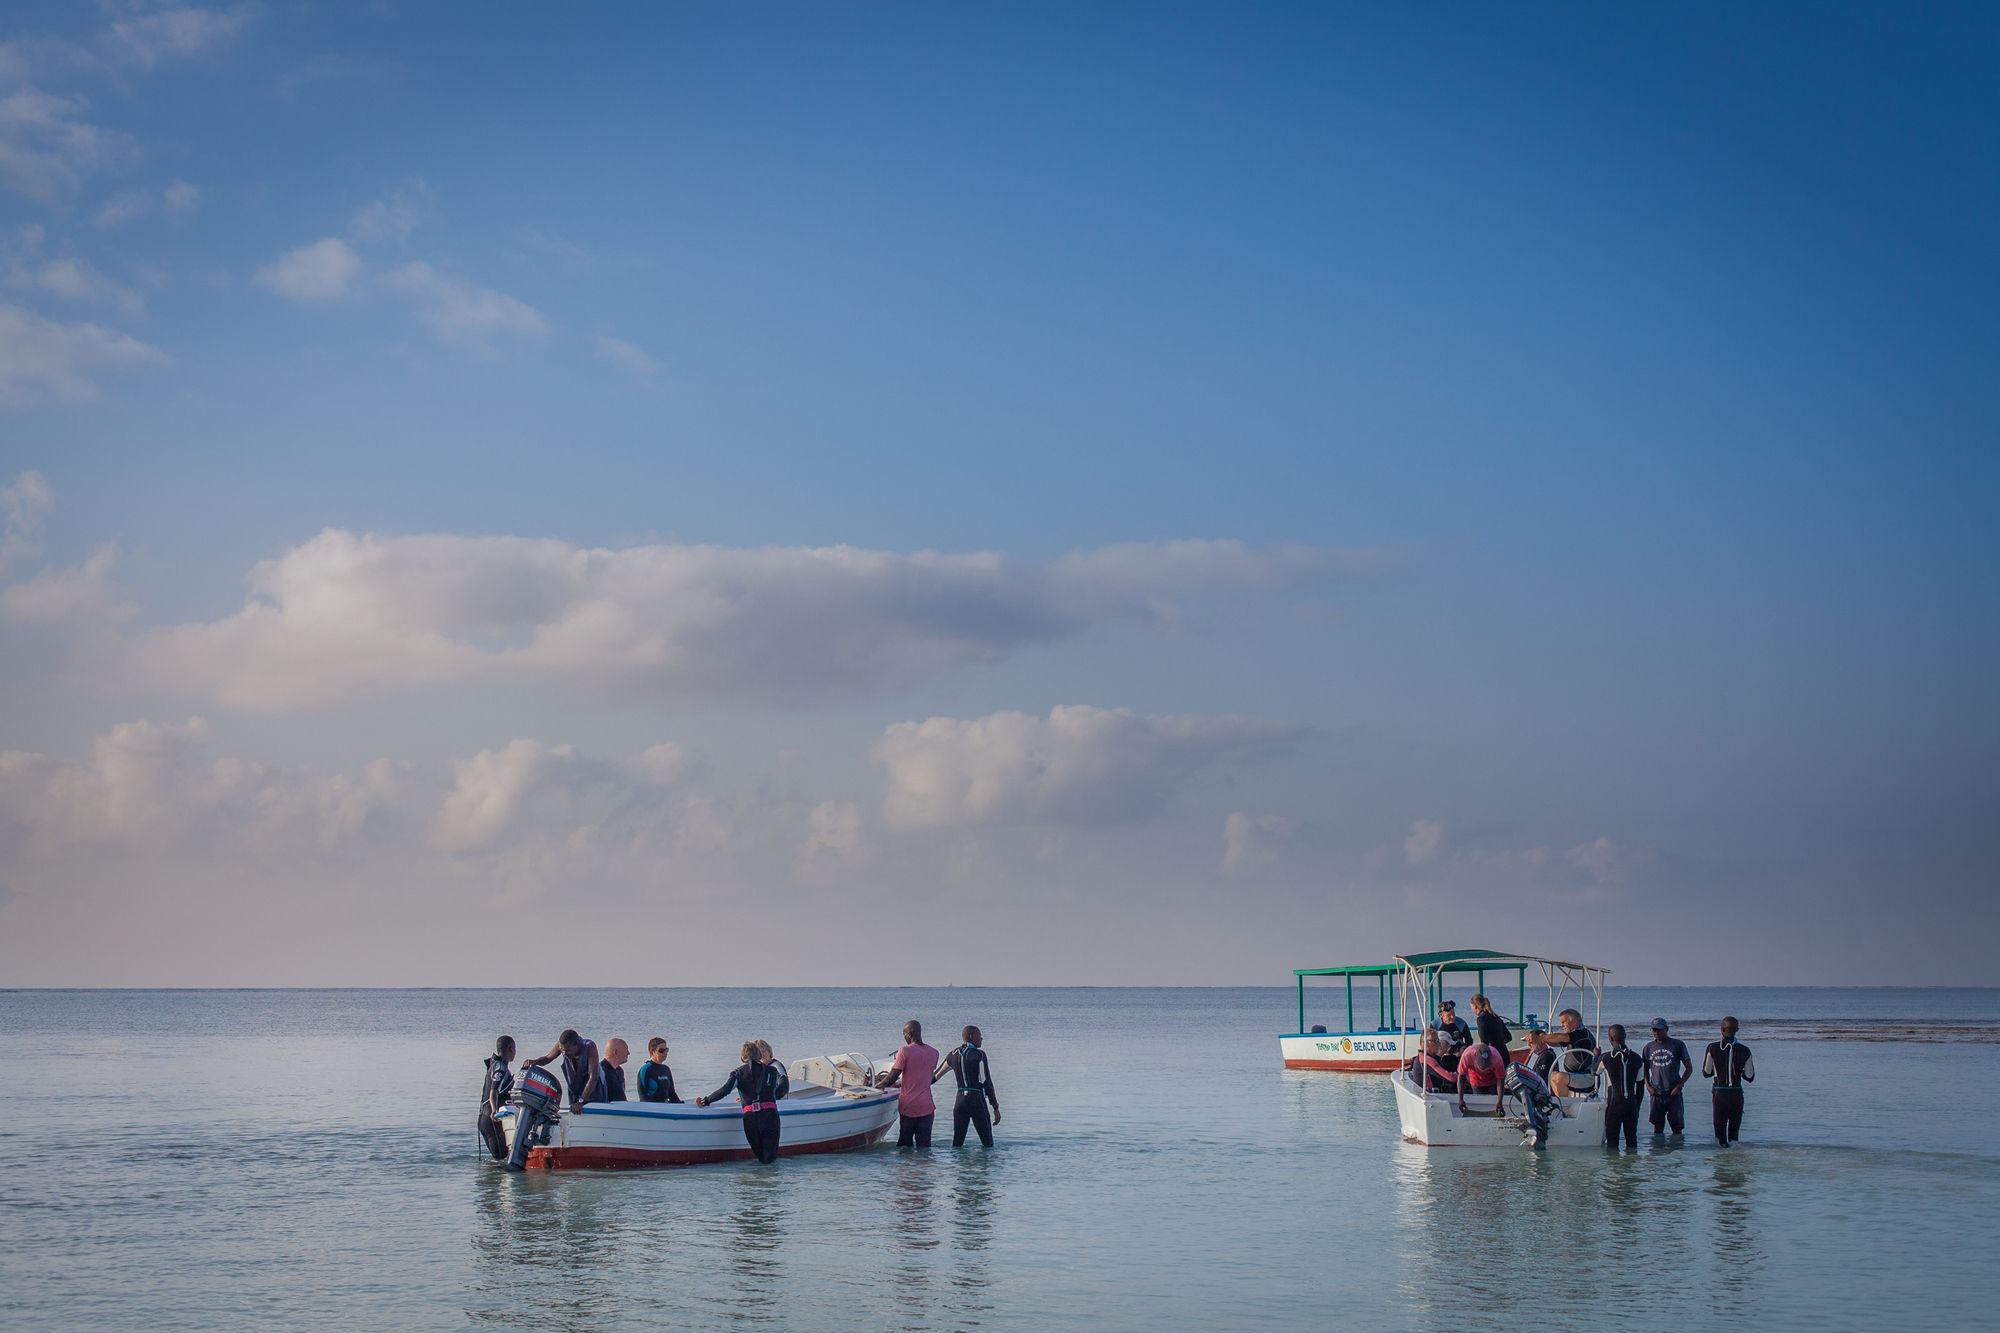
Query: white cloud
(180, 31)
(180, 200)
(343, 617)
(394, 216)
(81, 593)
(45, 148)
(1078, 766)
(1426, 836)
(1253, 843)
(459, 312)
(834, 837)
(633, 360)
(26, 500)
(321, 271)
(42, 358)
(75, 280)
(123, 208)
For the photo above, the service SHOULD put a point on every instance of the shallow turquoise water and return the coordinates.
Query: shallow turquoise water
(213, 1159)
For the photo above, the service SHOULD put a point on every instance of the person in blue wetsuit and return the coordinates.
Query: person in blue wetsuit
(756, 1086)
(495, 1089)
(1728, 1063)
(579, 1068)
(1668, 1068)
(611, 1072)
(656, 1081)
(975, 1091)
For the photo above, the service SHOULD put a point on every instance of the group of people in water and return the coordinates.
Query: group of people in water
(1459, 1058)
(760, 1082)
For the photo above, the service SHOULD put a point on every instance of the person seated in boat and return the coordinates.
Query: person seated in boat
(1575, 1073)
(1541, 1056)
(1480, 1070)
(1432, 1069)
(497, 1087)
(1491, 1026)
(1571, 1033)
(611, 1071)
(579, 1068)
(1538, 1103)
(1456, 1035)
(783, 1084)
(656, 1081)
(755, 1085)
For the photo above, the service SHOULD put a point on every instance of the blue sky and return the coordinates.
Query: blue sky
(1586, 418)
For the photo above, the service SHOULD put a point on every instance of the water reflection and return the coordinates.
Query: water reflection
(1738, 1251)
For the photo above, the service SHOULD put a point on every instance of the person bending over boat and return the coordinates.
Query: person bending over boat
(1624, 1088)
(915, 1069)
(494, 1091)
(784, 1081)
(1668, 1069)
(975, 1090)
(1457, 1036)
(1480, 1069)
(656, 1081)
(756, 1086)
(1431, 1069)
(1491, 1026)
(1538, 1104)
(611, 1071)
(579, 1068)
(1728, 1063)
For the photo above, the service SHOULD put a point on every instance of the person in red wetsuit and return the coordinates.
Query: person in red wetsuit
(1480, 1069)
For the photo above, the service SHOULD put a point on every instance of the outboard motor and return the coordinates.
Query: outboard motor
(540, 1094)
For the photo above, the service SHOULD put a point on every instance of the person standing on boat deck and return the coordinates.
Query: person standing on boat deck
(783, 1085)
(497, 1087)
(579, 1068)
(916, 1067)
(1668, 1068)
(1431, 1069)
(1492, 1027)
(975, 1090)
(1624, 1088)
(1481, 1068)
(755, 1084)
(611, 1071)
(1728, 1063)
(1457, 1036)
(656, 1081)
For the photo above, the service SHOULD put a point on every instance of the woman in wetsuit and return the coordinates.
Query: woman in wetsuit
(756, 1084)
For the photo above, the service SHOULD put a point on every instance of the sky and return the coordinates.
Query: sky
(914, 494)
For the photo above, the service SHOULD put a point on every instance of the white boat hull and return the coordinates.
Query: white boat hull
(813, 1119)
(1433, 1120)
(1356, 1052)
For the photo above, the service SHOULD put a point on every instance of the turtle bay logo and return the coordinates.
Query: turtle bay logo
(1347, 1046)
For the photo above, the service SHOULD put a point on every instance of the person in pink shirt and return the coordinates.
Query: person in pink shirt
(915, 1069)
(1481, 1068)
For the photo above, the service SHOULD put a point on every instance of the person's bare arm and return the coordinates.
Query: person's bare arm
(554, 1051)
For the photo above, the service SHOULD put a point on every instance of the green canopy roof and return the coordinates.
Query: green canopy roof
(1474, 959)
(1363, 970)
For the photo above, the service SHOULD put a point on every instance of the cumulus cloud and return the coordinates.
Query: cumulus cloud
(81, 593)
(631, 359)
(459, 312)
(180, 200)
(1078, 766)
(1426, 836)
(1253, 843)
(177, 31)
(321, 271)
(46, 359)
(46, 146)
(343, 617)
(25, 502)
(75, 280)
(394, 216)
(835, 837)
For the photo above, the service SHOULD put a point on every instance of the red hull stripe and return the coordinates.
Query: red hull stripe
(618, 1158)
(1350, 1066)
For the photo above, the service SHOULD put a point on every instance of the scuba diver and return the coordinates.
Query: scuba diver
(494, 1091)
(756, 1085)
(656, 1081)
(975, 1091)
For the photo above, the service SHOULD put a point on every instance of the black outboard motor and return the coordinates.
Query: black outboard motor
(540, 1094)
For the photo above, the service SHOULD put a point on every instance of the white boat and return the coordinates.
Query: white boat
(1433, 1119)
(831, 1108)
(1361, 1047)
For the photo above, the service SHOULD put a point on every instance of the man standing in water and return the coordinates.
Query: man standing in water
(499, 1086)
(1728, 1063)
(579, 1067)
(975, 1090)
(1668, 1068)
(611, 1071)
(915, 1069)
(1624, 1085)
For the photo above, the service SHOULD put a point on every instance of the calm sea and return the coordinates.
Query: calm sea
(232, 1159)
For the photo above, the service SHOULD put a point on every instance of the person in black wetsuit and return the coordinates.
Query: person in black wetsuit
(1728, 1063)
(611, 1071)
(1624, 1075)
(756, 1084)
(1541, 1056)
(782, 1088)
(975, 1091)
(494, 1091)
(656, 1081)
(1493, 1027)
(1452, 1029)
(579, 1067)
